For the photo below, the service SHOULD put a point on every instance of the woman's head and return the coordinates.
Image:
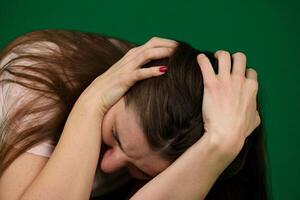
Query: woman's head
(124, 145)
(166, 109)
(164, 112)
(161, 115)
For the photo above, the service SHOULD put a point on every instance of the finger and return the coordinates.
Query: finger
(239, 64)
(144, 73)
(224, 62)
(206, 69)
(131, 53)
(150, 54)
(251, 74)
(161, 42)
(154, 42)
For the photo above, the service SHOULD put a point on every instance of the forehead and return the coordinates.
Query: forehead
(135, 143)
(130, 131)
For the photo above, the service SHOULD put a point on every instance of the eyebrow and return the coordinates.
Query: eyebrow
(116, 136)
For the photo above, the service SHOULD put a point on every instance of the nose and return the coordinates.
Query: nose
(113, 160)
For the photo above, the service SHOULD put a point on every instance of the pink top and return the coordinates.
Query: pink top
(12, 96)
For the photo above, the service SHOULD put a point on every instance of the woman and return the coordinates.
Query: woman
(84, 98)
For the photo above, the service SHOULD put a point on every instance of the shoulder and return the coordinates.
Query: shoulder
(24, 106)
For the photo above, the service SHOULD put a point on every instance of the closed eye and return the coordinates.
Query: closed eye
(117, 138)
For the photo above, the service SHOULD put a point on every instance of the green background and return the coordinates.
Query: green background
(267, 31)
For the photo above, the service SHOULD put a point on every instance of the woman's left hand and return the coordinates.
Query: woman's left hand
(110, 86)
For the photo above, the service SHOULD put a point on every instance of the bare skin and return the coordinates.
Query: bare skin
(59, 177)
(133, 152)
(230, 115)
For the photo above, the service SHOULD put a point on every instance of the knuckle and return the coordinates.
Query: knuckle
(212, 84)
(169, 50)
(238, 77)
(153, 40)
(138, 75)
(253, 84)
(127, 80)
(122, 76)
(132, 50)
(153, 70)
(147, 54)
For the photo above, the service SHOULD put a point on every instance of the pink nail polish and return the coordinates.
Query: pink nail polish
(163, 69)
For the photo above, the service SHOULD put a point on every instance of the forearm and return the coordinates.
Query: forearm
(191, 176)
(69, 173)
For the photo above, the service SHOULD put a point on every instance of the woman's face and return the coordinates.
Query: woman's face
(127, 146)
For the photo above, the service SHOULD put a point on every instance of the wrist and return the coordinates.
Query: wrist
(89, 99)
(226, 148)
(89, 105)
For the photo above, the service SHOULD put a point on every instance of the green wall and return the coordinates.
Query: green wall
(267, 31)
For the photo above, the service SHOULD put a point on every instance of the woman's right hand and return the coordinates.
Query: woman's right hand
(110, 86)
(229, 100)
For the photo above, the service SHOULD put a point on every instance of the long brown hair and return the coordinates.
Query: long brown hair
(169, 107)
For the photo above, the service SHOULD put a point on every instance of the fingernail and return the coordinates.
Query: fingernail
(163, 69)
